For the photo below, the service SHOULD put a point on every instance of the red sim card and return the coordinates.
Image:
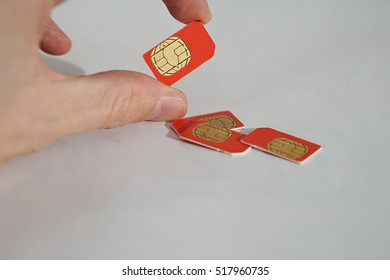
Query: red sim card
(215, 137)
(281, 144)
(181, 53)
(224, 119)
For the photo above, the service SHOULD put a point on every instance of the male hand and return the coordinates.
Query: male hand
(39, 105)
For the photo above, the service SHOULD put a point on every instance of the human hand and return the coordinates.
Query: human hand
(39, 105)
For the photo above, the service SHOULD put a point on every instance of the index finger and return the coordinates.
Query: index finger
(186, 11)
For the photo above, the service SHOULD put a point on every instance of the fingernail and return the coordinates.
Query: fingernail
(171, 106)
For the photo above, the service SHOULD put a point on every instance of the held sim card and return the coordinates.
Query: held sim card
(181, 53)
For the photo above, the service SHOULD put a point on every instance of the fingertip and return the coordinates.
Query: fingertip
(187, 11)
(54, 41)
(56, 45)
(171, 106)
(207, 15)
(207, 18)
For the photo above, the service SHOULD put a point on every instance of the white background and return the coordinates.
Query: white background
(319, 70)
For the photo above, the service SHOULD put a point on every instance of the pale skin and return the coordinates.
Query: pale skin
(39, 106)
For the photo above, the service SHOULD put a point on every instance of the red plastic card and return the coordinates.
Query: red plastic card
(280, 144)
(224, 119)
(181, 53)
(215, 137)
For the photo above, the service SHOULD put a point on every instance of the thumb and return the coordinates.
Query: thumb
(116, 98)
(57, 106)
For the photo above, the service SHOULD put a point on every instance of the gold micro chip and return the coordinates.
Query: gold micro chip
(212, 133)
(170, 56)
(288, 148)
(222, 121)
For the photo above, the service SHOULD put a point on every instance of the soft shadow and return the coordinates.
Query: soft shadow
(171, 134)
(62, 66)
(245, 130)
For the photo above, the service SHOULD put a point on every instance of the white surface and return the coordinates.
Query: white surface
(319, 70)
